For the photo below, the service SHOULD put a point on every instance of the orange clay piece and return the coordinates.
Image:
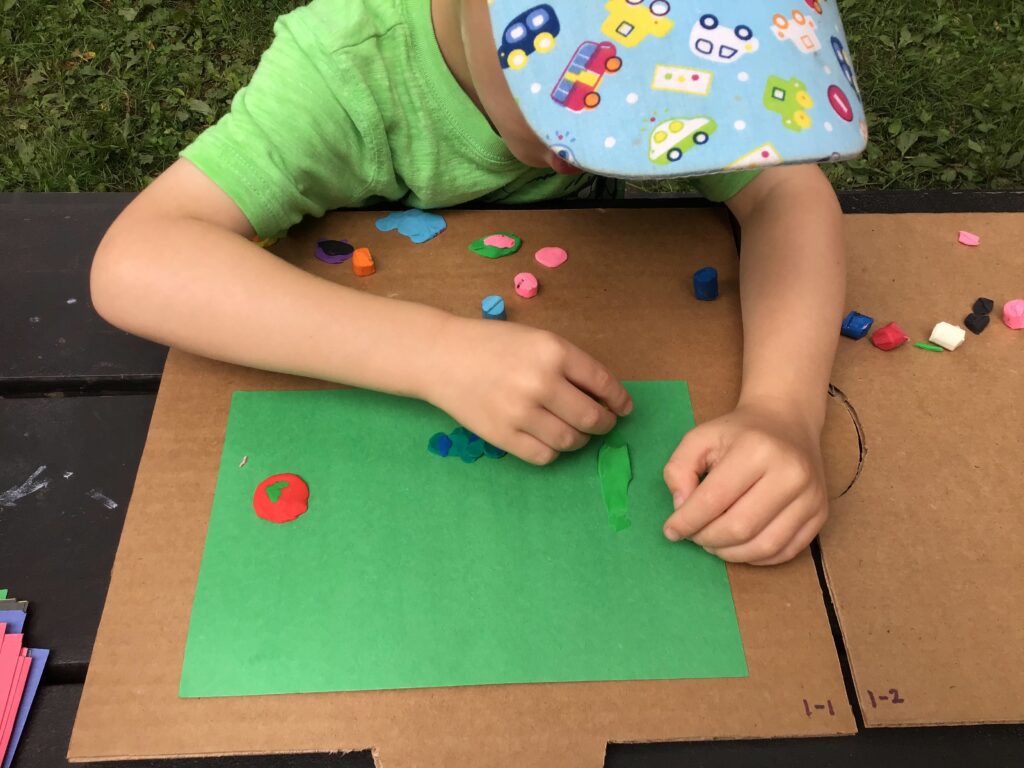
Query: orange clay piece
(362, 262)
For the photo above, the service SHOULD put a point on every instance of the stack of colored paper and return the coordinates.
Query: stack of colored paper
(20, 671)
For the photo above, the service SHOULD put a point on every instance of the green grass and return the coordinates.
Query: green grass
(101, 94)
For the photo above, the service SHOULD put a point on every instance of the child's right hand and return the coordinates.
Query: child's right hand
(527, 391)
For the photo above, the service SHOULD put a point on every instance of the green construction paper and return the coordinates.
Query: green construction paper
(3, 594)
(408, 571)
(493, 252)
(614, 472)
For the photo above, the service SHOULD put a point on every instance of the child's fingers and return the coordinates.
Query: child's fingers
(726, 482)
(800, 542)
(686, 465)
(750, 515)
(776, 537)
(554, 432)
(579, 410)
(530, 449)
(592, 377)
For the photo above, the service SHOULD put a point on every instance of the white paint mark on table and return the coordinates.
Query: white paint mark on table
(106, 501)
(13, 495)
(72, 301)
(67, 475)
(33, 320)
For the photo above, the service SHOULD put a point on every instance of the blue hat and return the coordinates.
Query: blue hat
(647, 88)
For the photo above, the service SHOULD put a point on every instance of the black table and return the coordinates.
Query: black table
(75, 400)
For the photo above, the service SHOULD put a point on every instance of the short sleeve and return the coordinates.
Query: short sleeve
(292, 144)
(720, 187)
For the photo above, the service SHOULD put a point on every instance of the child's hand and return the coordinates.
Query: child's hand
(764, 496)
(527, 391)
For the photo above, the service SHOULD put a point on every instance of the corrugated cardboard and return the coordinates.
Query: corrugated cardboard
(623, 295)
(925, 554)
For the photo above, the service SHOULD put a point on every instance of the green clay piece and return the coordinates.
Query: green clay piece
(274, 491)
(3, 594)
(615, 473)
(929, 347)
(493, 252)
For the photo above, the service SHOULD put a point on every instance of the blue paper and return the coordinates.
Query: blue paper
(419, 226)
(15, 621)
(35, 674)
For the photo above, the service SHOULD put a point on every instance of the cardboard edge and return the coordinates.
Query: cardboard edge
(83, 760)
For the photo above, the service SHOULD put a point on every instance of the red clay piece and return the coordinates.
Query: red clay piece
(292, 501)
(889, 337)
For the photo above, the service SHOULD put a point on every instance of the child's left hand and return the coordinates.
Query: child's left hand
(764, 497)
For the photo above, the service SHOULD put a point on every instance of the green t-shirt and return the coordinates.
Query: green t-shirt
(353, 105)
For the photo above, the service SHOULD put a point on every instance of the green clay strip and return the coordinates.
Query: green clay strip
(930, 347)
(615, 472)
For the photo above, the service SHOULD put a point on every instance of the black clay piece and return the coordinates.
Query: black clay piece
(982, 307)
(976, 323)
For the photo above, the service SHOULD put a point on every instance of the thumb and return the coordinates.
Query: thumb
(685, 468)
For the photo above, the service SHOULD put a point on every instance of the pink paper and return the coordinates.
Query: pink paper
(499, 241)
(10, 655)
(551, 256)
(969, 238)
(14, 699)
(526, 285)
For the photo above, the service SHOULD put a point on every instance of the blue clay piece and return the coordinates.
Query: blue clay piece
(419, 226)
(856, 325)
(705, 284)
(440, 444)
(460, 443)
(493, 308)
(493, 451)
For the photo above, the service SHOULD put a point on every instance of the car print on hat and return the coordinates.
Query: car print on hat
(667, 88)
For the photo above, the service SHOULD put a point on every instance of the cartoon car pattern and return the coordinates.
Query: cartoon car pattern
(533, 31)
(798, 29)
(844, 64)
(577, 87)
(815, 5)
(711, 40)
(629, 22)
(563, 152)
(789, 99)
(673, 138)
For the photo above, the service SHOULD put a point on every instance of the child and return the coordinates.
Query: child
(363, 101)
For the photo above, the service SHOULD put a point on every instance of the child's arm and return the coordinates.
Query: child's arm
(177, 267)
(764, 498)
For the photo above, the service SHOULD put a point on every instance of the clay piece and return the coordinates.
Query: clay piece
(968, 238)
(889, 337)
(551, 256)
(281, 498)
(983, 306)
(333, 251)
(929, 347)
(705, 284)
(976, 323)
(493, 308)
(525, 284)
(362, 262)
(856, 325)
(419, 226)
(1013, 314)
(462, 444)
(948, 336)
(497, 245)
(440, 444)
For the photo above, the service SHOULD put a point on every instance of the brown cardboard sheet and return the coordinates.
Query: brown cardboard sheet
(925, 554)
(623, 295)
